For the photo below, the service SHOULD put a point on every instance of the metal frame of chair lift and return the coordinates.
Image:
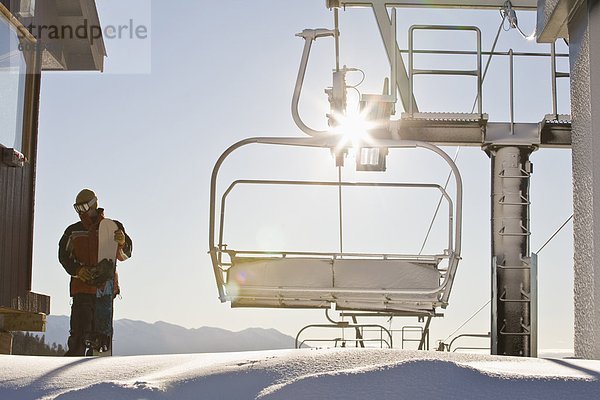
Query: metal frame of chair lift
(394, 301)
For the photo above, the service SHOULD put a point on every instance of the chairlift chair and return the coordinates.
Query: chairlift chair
(394, 284)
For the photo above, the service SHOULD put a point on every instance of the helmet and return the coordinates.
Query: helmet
(85, 200)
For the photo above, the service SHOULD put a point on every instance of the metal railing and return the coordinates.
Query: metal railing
(413, 71)
(556, 74)
(411, 329)
(364, 333)
(511, 54)
(448, 347)
(387, 341)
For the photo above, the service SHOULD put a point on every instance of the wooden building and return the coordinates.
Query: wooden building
(69, 42)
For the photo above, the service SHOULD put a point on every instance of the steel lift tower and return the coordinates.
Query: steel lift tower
(509, 147)
(508, 144)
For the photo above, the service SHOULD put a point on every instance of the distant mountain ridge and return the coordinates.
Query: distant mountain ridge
(142, 338)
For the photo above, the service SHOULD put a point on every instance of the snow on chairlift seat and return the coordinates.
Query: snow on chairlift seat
(364, 284)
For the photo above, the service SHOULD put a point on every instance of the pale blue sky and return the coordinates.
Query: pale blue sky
(146, 133)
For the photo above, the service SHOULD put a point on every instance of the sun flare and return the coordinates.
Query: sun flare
(354, 128)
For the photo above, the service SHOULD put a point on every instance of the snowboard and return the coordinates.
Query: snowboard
(107, 247)
(107, 256)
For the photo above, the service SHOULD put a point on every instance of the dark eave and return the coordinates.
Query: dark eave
(69, 53)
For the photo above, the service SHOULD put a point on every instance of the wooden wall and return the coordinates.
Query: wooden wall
(17, 194)
(16, 232)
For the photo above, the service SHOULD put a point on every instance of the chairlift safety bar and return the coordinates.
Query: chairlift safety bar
(444, 193)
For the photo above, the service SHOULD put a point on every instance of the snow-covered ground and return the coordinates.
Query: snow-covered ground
(299, 374)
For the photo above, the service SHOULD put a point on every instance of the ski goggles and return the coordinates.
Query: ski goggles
(82, 208)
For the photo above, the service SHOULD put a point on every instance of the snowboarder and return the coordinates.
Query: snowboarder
(94, 283)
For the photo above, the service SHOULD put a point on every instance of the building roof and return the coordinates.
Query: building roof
(70, 51)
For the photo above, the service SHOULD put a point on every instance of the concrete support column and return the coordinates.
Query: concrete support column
(6, 339)
(584, 49)
(511, 280)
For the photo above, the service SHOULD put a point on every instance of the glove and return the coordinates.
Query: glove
(120, 237)
(104, 271)
(85, 274)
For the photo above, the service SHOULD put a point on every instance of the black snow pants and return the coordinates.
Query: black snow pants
(91, 322)
(82, 323)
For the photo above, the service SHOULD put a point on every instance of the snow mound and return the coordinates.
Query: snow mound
(299, 374)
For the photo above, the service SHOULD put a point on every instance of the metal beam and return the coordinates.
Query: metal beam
(385, 29)
(468, 4)
(546, 134)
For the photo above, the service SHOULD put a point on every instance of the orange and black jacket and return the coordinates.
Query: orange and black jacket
(78, 247)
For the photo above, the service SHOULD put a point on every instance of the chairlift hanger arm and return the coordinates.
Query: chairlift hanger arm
(309, 35)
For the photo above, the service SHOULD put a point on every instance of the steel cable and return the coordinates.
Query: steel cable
(554, 234)
(467, 321)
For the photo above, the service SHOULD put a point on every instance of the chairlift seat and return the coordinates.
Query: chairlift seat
(366, 284)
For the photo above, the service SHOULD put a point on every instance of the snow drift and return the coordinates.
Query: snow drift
(299, 374)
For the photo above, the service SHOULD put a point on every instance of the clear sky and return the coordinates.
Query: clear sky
(145, 135)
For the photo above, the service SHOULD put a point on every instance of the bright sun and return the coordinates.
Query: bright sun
(354, 128)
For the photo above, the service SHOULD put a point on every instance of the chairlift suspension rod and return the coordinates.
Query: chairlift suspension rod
(511, 91)
(341, 214)
(336, 22)
(553, 65)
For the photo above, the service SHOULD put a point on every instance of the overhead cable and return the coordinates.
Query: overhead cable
(467, 321)
(554, 234)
